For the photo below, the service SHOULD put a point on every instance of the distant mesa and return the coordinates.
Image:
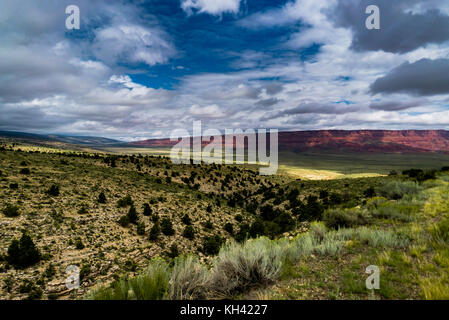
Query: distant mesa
(375, 141)
(75, 140)
(369, 141)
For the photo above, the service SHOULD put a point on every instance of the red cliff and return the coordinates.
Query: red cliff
(354, 140)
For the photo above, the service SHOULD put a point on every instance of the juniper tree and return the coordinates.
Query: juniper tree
(101, 198)
(147, 210)
(155, 231)
(23, 253)
(167, 227)
(132, 215)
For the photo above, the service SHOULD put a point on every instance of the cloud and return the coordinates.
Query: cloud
(395, 105)
(274, 88)
(101, 80)
(424, 77)
(213, 7)
(267, 102)
(306, 11)
(133, 44)
(402, 29)
(314, 108)
(212, 111)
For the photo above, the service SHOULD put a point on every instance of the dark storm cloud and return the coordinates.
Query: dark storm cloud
(314, 108)
(400, 30)
(424, 77)
(29, 118)
(392, 105)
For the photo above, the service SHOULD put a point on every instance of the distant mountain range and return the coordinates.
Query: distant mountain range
(76, 140)
(375, 141)
(404, 141)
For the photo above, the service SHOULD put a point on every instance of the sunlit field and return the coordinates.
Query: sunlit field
(319, 166)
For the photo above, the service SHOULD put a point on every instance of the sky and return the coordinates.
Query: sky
(138, 69)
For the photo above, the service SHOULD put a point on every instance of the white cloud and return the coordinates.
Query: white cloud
(211, 111)
(309, 12)
(132, 43)
(213, 7)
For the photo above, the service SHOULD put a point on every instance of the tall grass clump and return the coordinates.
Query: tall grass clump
(318, 230)
(440, 231)
(189, 280)
(300, 247)
(333, 242)
(329, 247)
(381, 238)
(319, 240)
(396, 190)
(152, 284)
(240, 267)
(119, 290)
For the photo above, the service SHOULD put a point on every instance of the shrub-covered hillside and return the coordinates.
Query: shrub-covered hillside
(115, 216)
(404, 233)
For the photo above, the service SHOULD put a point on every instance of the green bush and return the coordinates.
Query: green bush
(174, 251)
(125, 202)
(396, 190)
(147, 212)
(11, 211)
(14, 186)
(211, 245)
(25, 171)
(257, 229)
(189, 233)
(186, 219)
(23, 253)
(123, 221)
(229, 228)
(167, 227)
(102, 198)
(141, 228)
(85, 271)
(285, 222)
(412, 173)
(312, 210)
(400, 210)
(243, 234)
(369, 192)
(132, 215)
(428, 175)
(345, 218)
(155, 231)
(79, 245)
(53, 190)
